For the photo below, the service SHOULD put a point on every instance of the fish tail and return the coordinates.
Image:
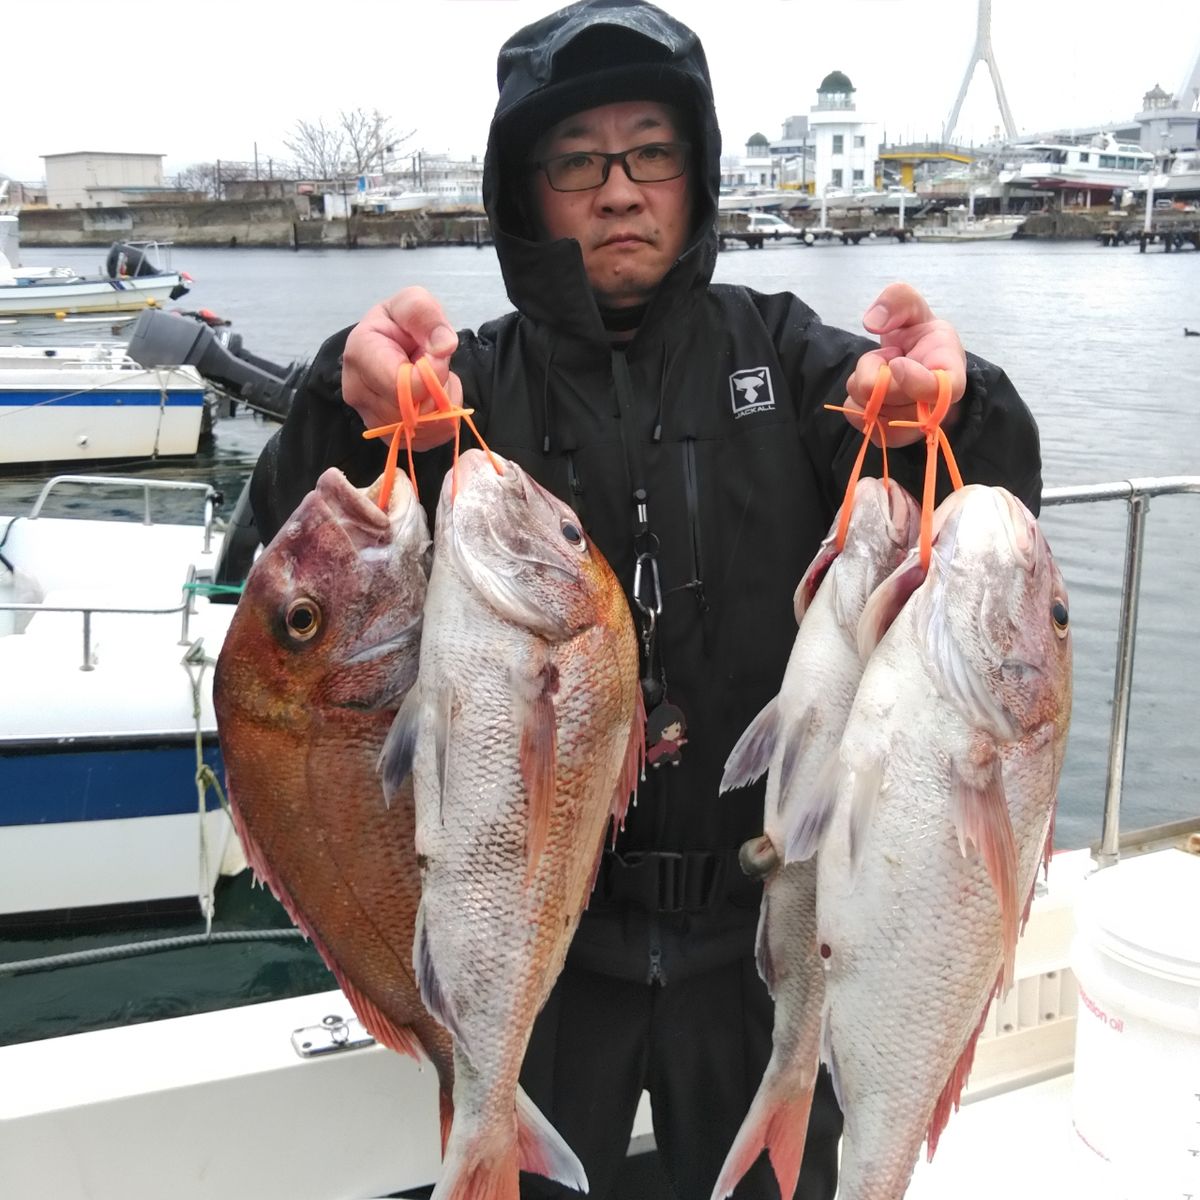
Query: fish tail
(542, 1149)
(483, 1164)
(778, 1123)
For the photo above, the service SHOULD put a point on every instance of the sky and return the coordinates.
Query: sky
(218, 80)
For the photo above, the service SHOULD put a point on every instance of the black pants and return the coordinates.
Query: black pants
(699, 1048)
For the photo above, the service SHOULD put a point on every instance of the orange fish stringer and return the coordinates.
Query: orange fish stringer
(410, 419)
(929, 422)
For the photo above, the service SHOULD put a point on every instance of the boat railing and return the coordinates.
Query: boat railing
(212, 497)
(186, 607)
(1137, 494)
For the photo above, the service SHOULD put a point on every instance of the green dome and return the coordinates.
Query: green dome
(835, 81)
(757, 139)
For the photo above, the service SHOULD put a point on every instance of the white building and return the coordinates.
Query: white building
(754, 169)
(102, 178)
(847, 146)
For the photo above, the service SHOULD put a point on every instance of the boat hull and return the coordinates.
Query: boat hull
(84, 295)
(98, 798)
(85, 413)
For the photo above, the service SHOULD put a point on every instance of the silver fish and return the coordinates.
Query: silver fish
(795, 739)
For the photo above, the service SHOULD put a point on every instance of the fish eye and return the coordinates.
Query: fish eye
(574, 535)
(1058, 612)
(303, 619)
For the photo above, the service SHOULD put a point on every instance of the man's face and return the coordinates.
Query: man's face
(630, 233)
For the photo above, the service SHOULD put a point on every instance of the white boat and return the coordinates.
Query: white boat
(111, 1115)
(1103, 165)
(961, 226)
(134, 278)
(105, 626)
(394, 199)
(85, 404)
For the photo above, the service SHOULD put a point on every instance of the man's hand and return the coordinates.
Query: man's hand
(410, 324)
(913, 343)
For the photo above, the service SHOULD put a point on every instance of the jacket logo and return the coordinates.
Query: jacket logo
(750, 391)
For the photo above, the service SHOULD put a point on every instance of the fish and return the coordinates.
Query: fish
(950, 761)
(525, 738)
(795, 740)
(322, 648)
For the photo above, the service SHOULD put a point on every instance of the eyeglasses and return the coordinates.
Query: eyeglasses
(583, 170)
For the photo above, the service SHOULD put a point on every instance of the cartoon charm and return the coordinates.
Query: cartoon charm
(665, 734)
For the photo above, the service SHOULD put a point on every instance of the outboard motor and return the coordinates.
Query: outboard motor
(125, 261)
(167, 339)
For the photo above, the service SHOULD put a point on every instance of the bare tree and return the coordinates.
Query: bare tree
(371, 142)
(317, 149)
(359, 143)
(197, 177)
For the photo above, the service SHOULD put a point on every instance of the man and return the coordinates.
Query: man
(684, 422)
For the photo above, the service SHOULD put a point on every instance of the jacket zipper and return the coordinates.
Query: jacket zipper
(692, 485)
(576, 486)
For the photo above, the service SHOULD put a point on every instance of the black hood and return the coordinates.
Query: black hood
(592, 53)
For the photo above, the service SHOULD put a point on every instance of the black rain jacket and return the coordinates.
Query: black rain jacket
(715, 409)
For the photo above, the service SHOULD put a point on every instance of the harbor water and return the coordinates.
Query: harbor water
(1092, 338)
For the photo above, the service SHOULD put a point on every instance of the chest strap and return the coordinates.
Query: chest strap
(660, 881)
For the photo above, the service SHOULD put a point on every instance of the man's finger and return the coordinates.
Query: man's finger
(422, 321)
(898, 305)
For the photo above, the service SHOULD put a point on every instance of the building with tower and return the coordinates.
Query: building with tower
(847, 144)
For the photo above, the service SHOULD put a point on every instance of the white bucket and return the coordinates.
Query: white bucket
(1136, 1092)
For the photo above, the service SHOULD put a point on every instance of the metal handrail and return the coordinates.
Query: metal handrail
(185, 606)
(211, 496)
(1136, 493)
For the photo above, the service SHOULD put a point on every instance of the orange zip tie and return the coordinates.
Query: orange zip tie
(930, 423)
(410, 418)
(870, 418)
(442, 400)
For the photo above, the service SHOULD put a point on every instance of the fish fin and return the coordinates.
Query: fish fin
(979, 810)
(445, 1117)
(815, 573)
(867, 781)
(396, 758)
(947, 1102)
(829, 1057)
(633, 768)
(762, 948)
(378, 1024)
(751, 756)
(811, 815)
(541, 1148)
(885, 602)
(536, 720)
(442, 724)
(778, 1123)
(435, 999)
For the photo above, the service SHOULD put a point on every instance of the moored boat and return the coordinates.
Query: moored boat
(84, 404)
(106, 629)
(134, 278)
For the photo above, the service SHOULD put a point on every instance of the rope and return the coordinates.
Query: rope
(196, 662)
(80, 958)
(203, 587)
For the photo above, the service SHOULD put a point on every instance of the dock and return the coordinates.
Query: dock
(1171, 231)
(811, 235)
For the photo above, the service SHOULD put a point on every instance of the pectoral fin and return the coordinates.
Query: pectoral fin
(979, 810)
(536, 722)
(751, 757)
